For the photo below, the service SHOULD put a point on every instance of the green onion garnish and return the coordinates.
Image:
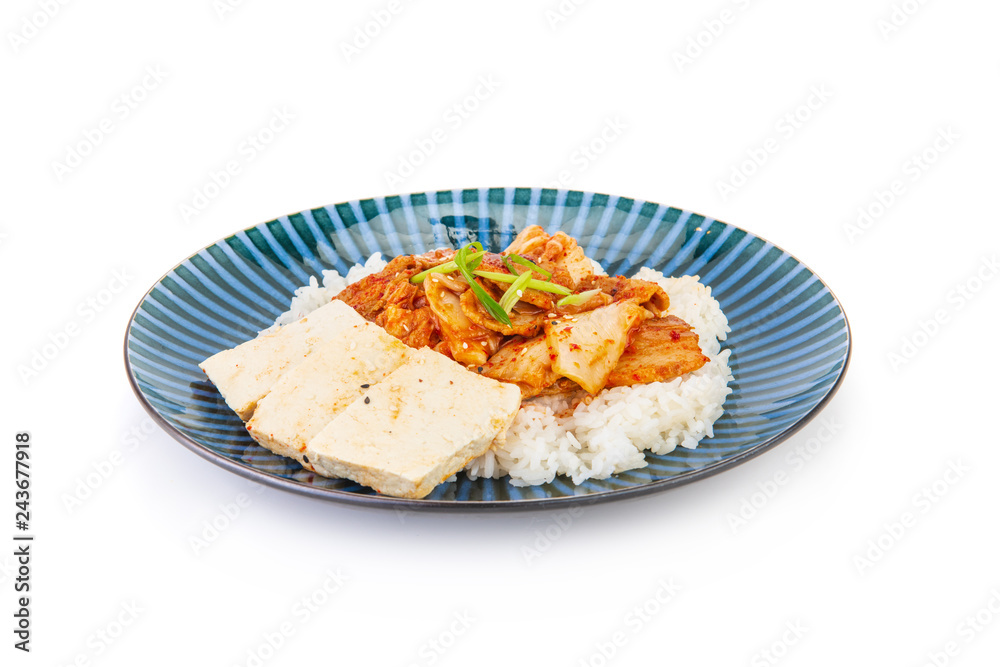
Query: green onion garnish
(576, 299)
(531, 265)
(514, 292)
(489, 303)
(447, 267)
(540, 285)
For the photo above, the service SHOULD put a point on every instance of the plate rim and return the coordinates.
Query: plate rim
(380, 501)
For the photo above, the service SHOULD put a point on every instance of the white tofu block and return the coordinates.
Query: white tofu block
(247, 372)
(330, 378)
(416, 428)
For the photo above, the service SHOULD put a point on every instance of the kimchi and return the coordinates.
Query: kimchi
(535, 315)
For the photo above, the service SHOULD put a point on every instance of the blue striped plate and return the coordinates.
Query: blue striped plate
(790, 339)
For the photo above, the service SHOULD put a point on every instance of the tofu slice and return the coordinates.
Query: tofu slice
(247, 372)
(331, 377)
(416, 428)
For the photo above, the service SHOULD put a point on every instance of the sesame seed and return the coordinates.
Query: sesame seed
(520, 293)
(465, 346)
(551, 315)
(367, 400)
(365, 386)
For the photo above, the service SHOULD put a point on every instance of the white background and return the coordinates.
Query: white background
(827, 552)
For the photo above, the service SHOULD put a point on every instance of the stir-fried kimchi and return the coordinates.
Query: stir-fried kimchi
(535, 315)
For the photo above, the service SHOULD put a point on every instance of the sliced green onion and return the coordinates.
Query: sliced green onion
(475, 259)
(540, 285)
(531, 265)
(507, 259)
(576, 299)
(514, 292)
(447, 267)
(489, 303)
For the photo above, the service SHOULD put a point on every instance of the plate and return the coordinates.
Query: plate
(790, 338)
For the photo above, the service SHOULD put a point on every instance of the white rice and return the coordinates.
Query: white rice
(609, 434)
(310, 297)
